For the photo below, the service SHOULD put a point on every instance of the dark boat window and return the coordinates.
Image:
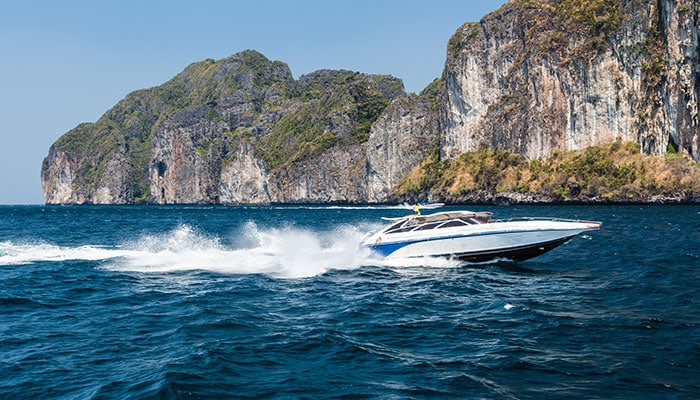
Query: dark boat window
(452, 223)
(395, 226)
(431, 225)
(399, 228)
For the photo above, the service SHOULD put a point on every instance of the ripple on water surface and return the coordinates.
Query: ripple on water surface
(227, 302)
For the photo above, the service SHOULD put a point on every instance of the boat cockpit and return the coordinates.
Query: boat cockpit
(438, 221)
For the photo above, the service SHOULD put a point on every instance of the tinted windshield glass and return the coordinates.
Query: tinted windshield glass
(428, 226)
(452, 223)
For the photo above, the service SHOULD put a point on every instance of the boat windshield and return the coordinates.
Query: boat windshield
(395, 226)
(455, 222)
(431, 225)
(438, 221)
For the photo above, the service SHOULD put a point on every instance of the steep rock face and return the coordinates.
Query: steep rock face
(533, 76)
(58, 170)
(539, 75)
(331, 178)
(115, 185)
(195, 149)
(681, 93)
(406, 132)
(237, 130)
(75, 177)
(245, 180)
(315, 152)
(182, 169)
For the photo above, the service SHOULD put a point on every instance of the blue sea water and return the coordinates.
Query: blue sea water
(102, 302)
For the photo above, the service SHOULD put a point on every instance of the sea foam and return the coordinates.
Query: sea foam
(287, 252)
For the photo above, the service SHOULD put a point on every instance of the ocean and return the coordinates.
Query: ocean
(278, 302)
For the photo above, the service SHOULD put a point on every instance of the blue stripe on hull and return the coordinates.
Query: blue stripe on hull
(386, 249)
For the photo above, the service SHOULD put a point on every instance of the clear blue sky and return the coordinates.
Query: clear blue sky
(66, 62)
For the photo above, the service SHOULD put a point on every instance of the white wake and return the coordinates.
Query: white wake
(284, 253)
(278, 252)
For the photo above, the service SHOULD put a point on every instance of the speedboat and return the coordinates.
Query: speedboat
(473, 236)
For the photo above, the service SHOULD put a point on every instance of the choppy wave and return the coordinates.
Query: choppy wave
(185, 302)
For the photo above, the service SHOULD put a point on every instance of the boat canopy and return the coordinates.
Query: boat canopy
(430, 221)
(444, 216)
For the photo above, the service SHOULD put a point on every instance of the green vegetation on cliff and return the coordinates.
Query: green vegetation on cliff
(93, 145)
(329, 108)
(581, 27)
(285, 120)
(618, 172)
(128, 127)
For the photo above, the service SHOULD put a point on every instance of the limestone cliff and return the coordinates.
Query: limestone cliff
(242, 130)
(400, 140)
(540, 75)
(533, 77)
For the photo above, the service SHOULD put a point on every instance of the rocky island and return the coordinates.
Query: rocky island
(540, 101)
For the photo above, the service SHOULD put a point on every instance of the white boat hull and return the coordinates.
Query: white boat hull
(517, 240)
